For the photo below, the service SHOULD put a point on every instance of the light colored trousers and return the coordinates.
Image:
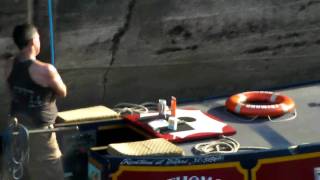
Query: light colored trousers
(45, 156)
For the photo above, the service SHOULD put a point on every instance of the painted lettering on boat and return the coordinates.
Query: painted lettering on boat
(173, 161)
(193, 178)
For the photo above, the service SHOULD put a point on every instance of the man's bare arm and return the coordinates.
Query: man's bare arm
(46, 75)
(54, 81)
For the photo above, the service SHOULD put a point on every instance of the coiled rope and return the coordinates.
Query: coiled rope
(294, 116)
(222, 146)
(16, 149)
(130, 108)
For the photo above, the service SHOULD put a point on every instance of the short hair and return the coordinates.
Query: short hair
(23, 33)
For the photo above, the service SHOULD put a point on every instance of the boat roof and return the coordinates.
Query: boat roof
(261, 132)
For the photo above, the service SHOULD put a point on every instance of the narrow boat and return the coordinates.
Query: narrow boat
(202, 52)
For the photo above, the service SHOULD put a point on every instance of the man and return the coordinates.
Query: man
(34, 86)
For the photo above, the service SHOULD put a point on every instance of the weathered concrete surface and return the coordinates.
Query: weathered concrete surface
(141, 50)
(196, 49)
(10, 12)
(87, 84)
(85, 31)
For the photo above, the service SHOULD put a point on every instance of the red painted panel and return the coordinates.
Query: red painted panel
(230, 173)
(299, 169)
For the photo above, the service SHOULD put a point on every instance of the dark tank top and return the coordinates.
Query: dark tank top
(30, 98)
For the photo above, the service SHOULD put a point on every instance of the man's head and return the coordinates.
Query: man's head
(25, 35)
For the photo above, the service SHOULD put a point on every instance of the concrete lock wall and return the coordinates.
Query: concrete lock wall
(141, 50)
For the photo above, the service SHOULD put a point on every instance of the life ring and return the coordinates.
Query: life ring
(276, 104)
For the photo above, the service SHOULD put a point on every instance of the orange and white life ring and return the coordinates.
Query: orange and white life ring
(276, 104)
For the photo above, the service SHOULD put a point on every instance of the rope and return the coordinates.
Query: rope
(130, 108)
(16, 150)
(150, 105)
(287, 119)
(222, 146)
(295, 114)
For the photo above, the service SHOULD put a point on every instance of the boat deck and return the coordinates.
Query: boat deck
(262, 132)
(277, 136)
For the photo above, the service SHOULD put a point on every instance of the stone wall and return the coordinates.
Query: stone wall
(141, 50)
(10, 12)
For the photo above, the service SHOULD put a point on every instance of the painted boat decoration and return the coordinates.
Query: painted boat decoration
(300, 162)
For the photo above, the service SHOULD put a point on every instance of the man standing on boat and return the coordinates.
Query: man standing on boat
(34, 86)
